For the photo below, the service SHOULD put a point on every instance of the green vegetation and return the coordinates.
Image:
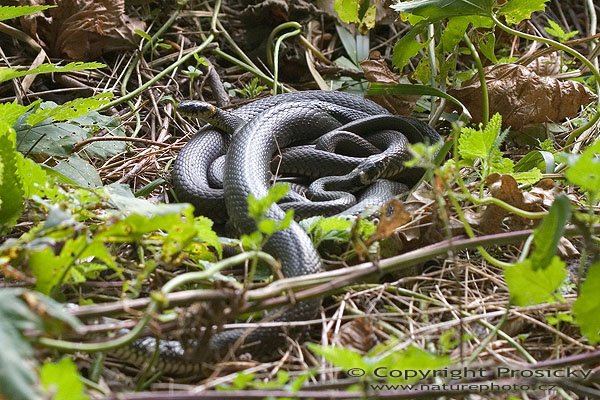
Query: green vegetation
(65, 227)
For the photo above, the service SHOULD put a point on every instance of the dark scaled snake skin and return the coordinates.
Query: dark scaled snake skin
(259, 134)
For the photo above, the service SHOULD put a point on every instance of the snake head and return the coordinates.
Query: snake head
(372, 168)
(196, 109)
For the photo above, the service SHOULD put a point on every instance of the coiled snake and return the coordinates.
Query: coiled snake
(240, 148)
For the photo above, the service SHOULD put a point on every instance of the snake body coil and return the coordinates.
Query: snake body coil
(262, 132)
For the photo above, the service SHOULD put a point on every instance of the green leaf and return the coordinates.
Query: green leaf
(11, 73)
(268, 226)
(257, 208)
(18, 377)
(454, 32)
(50, 269)
(11, 192)
(62, 380)
(135, 226)
(584, 171)
(516, 11)
(69, 110)
(143, 34)
(528, 286)
(555, 30)
(543, 160)
(122, 198)
(252, 241)
(547, 235)
(474, 144)
(206, 234)
(487, 45)
(434, 10)
(57, 138)
(340, 357)
(408, 46)
(528, 177)
(10, 113)
(367, 22)
(80, 170)
(347, 10)
(33, 177)
(587, 307)
(414, 359)
(10, 12)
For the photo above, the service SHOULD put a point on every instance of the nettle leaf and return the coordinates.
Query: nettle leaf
(584, 170)
(474, 144)
(528, 285)
(62, 380)
(434, 10)
(547, 235)
(33, 177)
(69, 110)
(11, 192)
(10, 112)
(11, 73)
(10, 12)
(340, 357)
(587, 307)
(516, 11)
(555, 30)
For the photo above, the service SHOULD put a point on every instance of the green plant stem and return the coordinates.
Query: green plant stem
(160, 75)
(498, 202)
(494, 332)
(487, 256)
(296, 31)
(573, 135)
(249, 68)
(485, 97)
(432, 65)
(158, 302)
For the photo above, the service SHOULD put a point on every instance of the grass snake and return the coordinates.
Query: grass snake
(240, 149)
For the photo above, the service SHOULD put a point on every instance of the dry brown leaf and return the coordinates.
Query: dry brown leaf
(546, 190)
(393, 215)
(376, 70)
(83, 29)
(505, 188)
(546, 65)
(358, 334)
(523, 97)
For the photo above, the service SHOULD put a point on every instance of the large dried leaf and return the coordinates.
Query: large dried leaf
(377, 71)
(505, 188)
(523, 97)
(358, 334)
(84, 29)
